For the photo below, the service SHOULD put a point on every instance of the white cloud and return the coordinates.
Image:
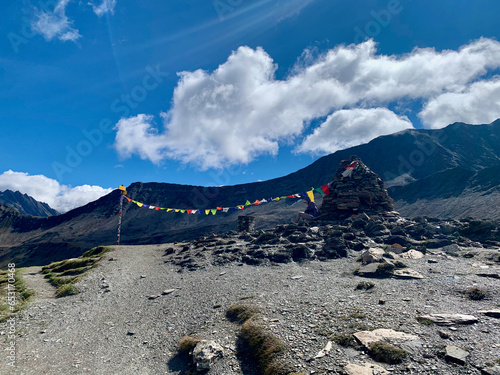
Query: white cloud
(478, 104)
(348, 128)
(240, 110)
(107, 6)
(55, 24)
(60, 197)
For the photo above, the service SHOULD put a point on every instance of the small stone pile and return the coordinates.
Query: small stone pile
(355, 189)
(246, 223)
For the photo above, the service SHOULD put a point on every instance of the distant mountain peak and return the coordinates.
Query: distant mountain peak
(25, 204)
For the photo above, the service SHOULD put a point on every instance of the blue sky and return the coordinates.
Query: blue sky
(93, 95)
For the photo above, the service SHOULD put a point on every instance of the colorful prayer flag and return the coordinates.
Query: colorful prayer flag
(310, 195)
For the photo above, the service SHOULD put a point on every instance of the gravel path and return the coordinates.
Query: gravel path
(34, 279)
(113, 327)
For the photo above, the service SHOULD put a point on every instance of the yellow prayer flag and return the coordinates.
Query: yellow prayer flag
(169, 209)
(207, 212)
(139, 204)
(310, 194)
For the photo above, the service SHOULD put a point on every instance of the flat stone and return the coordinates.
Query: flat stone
(365, 369)
(456, 354)
(412, 254)
(325, 351)
(492, 370)
(367, 338)
(395, 248)
(168, 291)
(154, 296)
(407, 273)
(368, 270)
(491, 313)
(450, 319)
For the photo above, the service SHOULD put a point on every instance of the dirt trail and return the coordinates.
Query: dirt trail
(34, 279)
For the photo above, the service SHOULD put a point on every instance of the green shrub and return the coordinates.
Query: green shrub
(241, 313)
(384, 352)
(66, 290)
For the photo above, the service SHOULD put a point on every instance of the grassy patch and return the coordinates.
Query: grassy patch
(475, 294)
(12, 282)
(425, 321)
(263, 346)
(241, 313)
(384, 352)
(346, 340)
(187, 344)
(65, 273)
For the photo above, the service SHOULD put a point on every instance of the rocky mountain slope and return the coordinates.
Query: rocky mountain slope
(427, 288)
(449, 172)
(25, 204)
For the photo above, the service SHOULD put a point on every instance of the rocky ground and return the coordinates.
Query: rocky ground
(314, 293)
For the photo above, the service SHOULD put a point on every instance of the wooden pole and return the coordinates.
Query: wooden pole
(122, 196)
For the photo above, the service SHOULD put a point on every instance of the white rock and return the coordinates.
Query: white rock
(371, 255)
(450, 319)
(205, 353)
(365, 369)
(412, 254)
(325, 351)
(367, 338)
(407, 273)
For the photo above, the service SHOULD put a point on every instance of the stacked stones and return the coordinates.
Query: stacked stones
(353, 191)
(246, 223)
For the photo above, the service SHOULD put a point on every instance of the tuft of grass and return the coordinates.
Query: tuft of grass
(265, 347)
(384, 352)
(22, 294)
(475, 294)
(346, 340)
(385, 269)
(65, 273)
(98, 251)
(241, 313)
(66, 290)
(425, 321)
(187, 344)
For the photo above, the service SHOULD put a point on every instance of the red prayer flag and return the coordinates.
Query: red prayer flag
(189, 211)
(129, 199)
(326, 189)
(157, 208)
(219, 208)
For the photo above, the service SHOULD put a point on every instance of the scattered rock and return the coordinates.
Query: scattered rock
(412, 254)
(325, 351)
(372, 255)
(367, 338)
(205, 353)
(456, 354)
(407, 273)
(491, 370)
(168, 291)
(450, 319)
(491, 313)
(154, 296)
(365, 369)
(453, 249)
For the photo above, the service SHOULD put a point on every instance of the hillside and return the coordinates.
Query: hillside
(25, 204)
(423, 168)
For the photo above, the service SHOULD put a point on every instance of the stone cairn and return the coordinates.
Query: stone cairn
(355, 189)
(246, 223)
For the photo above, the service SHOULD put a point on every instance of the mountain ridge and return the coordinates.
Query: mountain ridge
(453, 162)
(26, 204)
